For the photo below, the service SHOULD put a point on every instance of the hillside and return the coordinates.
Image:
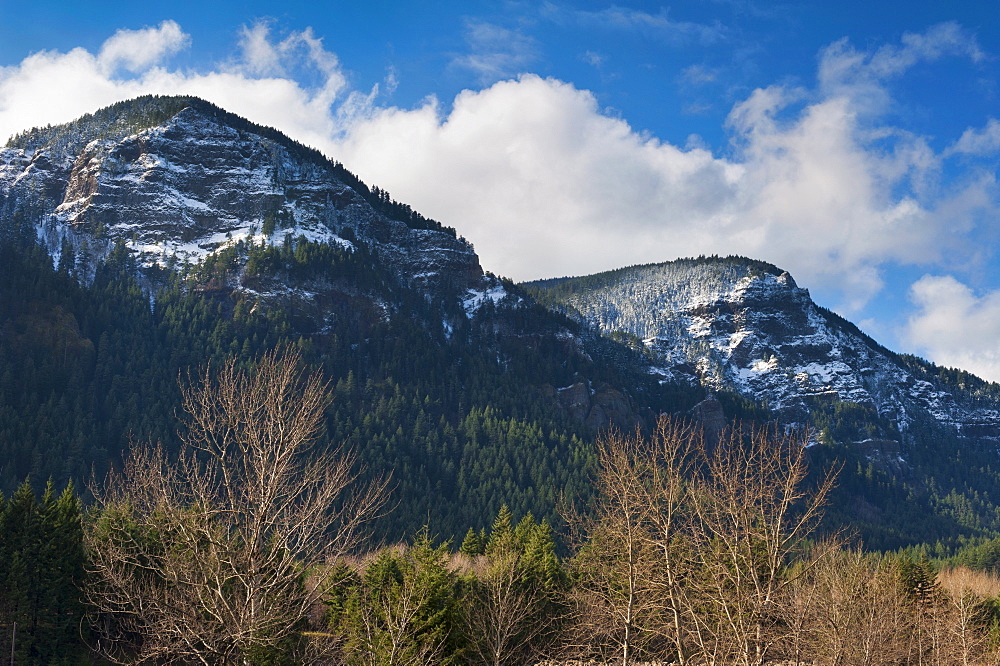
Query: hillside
(163, 234)
(916, 438)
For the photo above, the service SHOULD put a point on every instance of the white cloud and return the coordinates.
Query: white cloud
(540, 180)
(956, 327)
(818, 197)
(51, 87)
(495, 52)
(979, 142)
(138, 50)
(261, 57)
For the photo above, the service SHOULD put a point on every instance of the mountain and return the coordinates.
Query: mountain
(161, 234)
(743, 325)
(178, 178)
(928, 435)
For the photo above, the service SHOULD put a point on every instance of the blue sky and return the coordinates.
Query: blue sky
(855, 144)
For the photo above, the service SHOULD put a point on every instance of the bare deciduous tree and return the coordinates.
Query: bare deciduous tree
(688, 551)
(855, 610)
(615, 600)
(966, 614)
(674, 452)
(755, 509)
(219, 555)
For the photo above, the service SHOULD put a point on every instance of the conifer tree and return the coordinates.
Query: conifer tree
(403, 610)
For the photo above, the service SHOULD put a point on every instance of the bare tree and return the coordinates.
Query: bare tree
(674, 451)
(508, 611)
(219, 555)
(966, 614)
(755, 509)
(855, 610)
(615, 599)
(689, 551)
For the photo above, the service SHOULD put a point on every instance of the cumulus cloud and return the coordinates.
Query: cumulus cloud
(541, 180)
(138, 50)
(261, 56)
(956, 327)
(545, 183)
(51, 87)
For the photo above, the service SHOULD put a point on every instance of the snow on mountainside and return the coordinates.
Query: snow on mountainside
(180, 181)
(177, 179)
(745, 325)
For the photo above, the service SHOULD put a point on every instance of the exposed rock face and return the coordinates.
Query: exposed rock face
(711, 417)
(746, 326)
(599, 408)
(193, 184)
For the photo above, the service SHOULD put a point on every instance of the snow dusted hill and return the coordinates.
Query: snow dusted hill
(738, 324)
(184, 184)
(178, 178)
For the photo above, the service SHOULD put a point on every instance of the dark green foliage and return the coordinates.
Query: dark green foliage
(402, 609)
(41, 574)
(739, 409)
(981, 554)
(532, 544)
(474, 543)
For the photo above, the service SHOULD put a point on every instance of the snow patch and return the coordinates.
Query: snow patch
(700, 327)
(474, 298)
(761, 365)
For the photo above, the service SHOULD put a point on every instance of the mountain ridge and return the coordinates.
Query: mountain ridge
(148, 111)
(717, 321)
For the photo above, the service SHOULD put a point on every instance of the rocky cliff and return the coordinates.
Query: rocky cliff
(743, 325)
(178, 186)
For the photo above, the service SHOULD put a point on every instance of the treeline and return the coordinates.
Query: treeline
(686, 553)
